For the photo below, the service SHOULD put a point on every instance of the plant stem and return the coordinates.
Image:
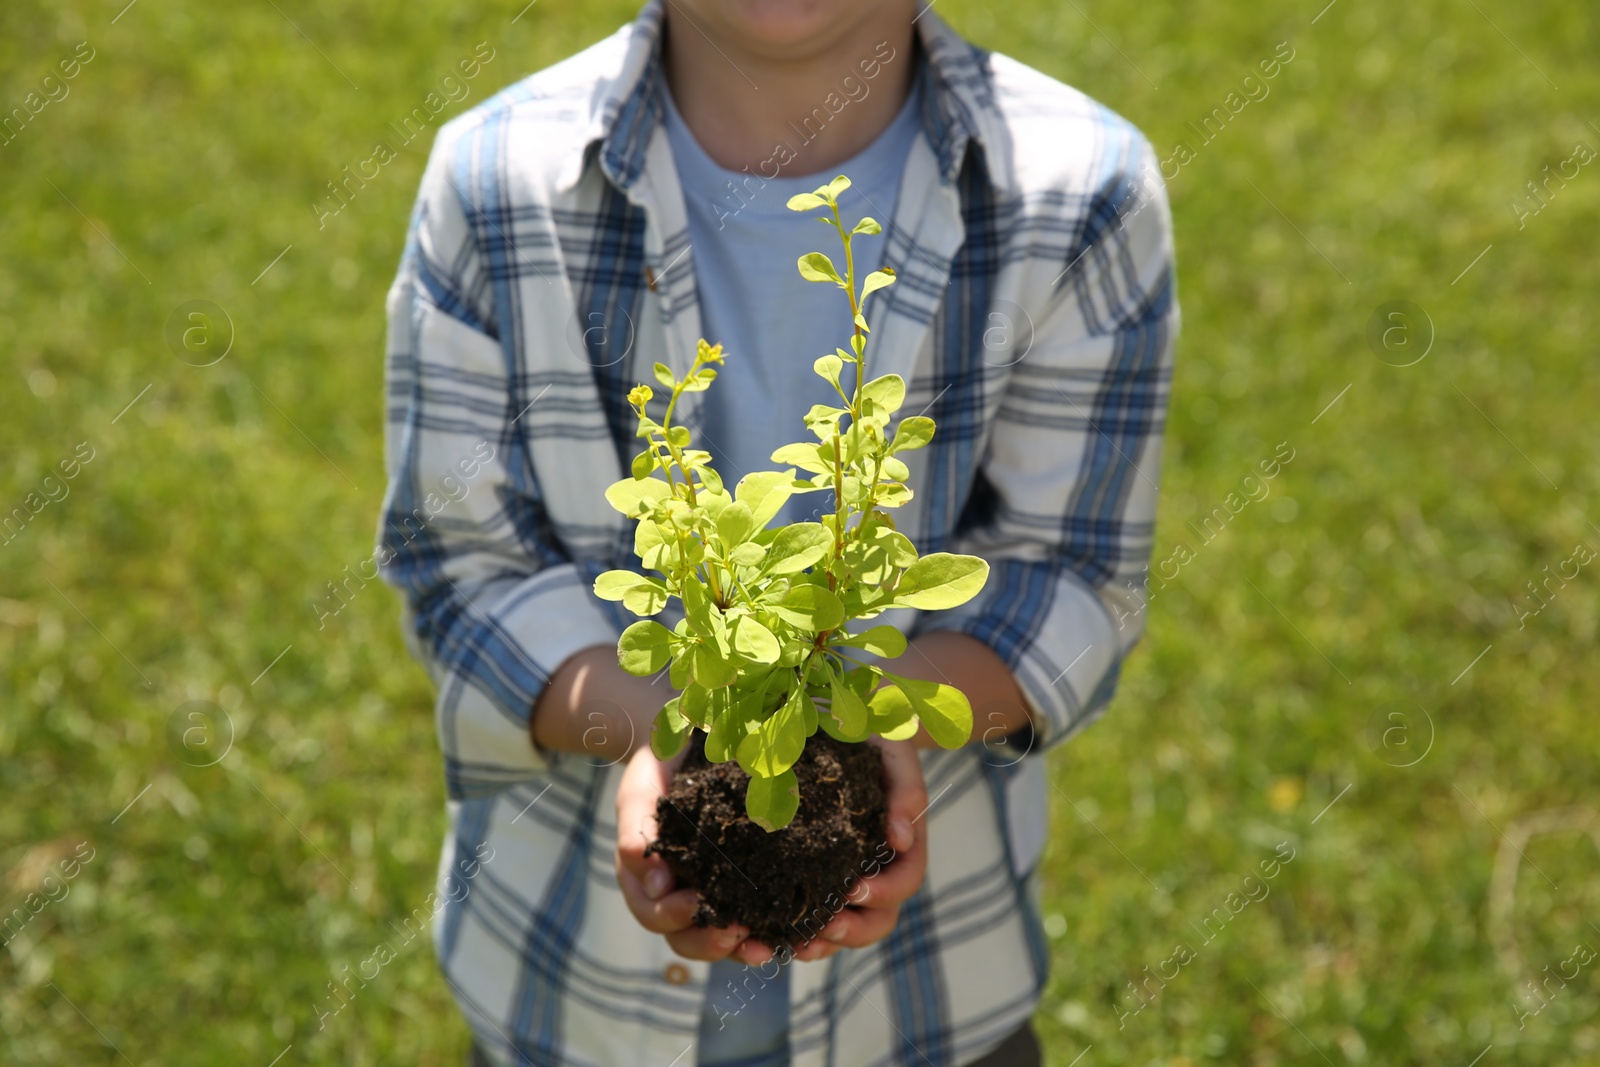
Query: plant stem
(841, 510)
(855, 309)
(688, 479)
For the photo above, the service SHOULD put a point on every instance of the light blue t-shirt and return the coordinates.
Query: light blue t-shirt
(771, 323)
(772, 326)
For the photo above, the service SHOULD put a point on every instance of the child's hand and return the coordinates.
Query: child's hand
(874, 903)
(645, 880)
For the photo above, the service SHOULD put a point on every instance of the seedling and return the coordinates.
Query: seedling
(768, 650)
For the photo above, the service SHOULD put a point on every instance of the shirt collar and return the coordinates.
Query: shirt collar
(958, 106)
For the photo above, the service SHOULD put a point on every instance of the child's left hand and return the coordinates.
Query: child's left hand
(873, 905)
(645, 880)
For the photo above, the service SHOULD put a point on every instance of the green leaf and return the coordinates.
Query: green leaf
(806, 201)
(888, 392)
(913, 432)
(664, 374)
(902, 553)
(714, 500)
(878, 279)
(735, 525)
(803, 454)
(764, 493)
(694, 704)
(895, 469)
(748, 554)
(772, 802)
(893, 495)
(868, 562)
(865, 601)
(644, 463)
(754, 641)
(875, 554)
(698, 609)
(614, 585)
(870, 414)
(823, 420)
(646, 598)
(862, 680)
(701, 381)
(797, 547)
(830, 726)
(636, 496)
(809, 717)
(644, 648)
(854, 442)
(868, 225)
(890, 715)
(727, 733)
(708, 668)
(678, 676)
(828, 368)
(816, 267)
(670, 731)
(881, 640)
(901, 550)
(810, 607)
(653, 546)
(941, 580)
(848, 711)
(942, 709)
(774, 748)
(837, 186)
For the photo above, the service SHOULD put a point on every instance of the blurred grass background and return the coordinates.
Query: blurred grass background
(1460, 857)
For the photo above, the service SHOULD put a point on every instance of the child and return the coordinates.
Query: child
(604, 214)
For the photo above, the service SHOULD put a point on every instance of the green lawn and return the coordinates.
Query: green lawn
(188, 551)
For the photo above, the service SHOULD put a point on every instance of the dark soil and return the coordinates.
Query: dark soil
(786, 884)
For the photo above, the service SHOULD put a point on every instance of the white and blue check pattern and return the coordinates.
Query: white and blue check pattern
(547, 268)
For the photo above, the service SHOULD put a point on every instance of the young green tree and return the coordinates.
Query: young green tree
(766, 653)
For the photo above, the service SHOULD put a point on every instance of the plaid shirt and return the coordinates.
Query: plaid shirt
(547, 267)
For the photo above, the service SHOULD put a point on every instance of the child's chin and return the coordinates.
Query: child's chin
(783, 25)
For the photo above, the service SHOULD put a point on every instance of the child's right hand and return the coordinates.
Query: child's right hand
(646, 881)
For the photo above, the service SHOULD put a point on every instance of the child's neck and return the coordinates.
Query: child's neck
(742, 91)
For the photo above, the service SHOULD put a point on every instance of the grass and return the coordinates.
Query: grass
(1377, 576)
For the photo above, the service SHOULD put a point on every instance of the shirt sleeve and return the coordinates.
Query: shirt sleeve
(493, 603)
(1064, 501)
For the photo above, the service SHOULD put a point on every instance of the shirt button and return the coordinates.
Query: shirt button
(677, 974)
